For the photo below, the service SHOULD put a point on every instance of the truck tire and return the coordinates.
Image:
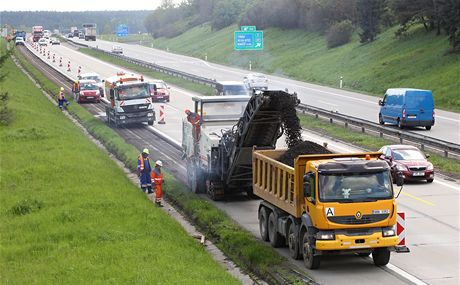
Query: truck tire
(215, 190)
(150, 123)
(381, 122)
(311, 261)
(293, 242)
(276, 240)
(400, 125)
(263, 223)
(381, 256)
(428, 128)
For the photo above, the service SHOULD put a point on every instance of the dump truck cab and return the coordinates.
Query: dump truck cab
(327, 204)
(130, 100)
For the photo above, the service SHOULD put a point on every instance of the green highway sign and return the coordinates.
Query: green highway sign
(249, 40)
(248, 28)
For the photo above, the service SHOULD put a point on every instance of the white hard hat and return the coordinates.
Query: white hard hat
(159, 163)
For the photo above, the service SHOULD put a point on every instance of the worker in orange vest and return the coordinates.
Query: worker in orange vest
(195, 120)
(143, 171)
(157, 180)
(76, 90)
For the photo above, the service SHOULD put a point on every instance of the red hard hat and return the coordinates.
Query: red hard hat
(187, 111)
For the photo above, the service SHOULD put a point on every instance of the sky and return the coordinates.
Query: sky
(78, 5)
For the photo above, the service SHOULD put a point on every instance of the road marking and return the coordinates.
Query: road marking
(457, 188)
(405, 274)
(417, 198)
(327, 103)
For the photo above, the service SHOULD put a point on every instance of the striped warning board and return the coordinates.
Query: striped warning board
(401, 232)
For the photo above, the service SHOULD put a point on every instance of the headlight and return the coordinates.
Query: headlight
(122, 117)
(149, 114)
(429, 167)
(388, 232)
(401, 167)
(325, 235)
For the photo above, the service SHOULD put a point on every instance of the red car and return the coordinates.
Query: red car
(408, 160)
(89, 92)
(159, 91)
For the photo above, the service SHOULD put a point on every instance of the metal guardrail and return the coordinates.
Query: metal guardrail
(424, 141)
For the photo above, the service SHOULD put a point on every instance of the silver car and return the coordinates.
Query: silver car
(256, 81)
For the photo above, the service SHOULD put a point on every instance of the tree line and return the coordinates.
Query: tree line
(336, 19)
(106, 21)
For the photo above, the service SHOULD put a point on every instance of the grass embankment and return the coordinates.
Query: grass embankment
(186, 84)
(70, 215)
(235, 242)
(417, 61)
(446, 166)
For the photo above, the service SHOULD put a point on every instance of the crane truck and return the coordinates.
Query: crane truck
(326, 204)
(219, 156)
(130, 100)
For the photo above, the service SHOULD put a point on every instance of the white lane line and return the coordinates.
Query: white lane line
(448, 119)
(404, 274)
(327, 103)
(456, 188)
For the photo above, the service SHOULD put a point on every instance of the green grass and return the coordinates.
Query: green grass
(446, 166)
(186, 84)
(70, 215)
(417, 61)
(243, 248)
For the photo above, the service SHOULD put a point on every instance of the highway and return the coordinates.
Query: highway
(432, 210)
(447, 126)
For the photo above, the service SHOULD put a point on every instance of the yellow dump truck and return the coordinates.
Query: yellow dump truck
(326, 204)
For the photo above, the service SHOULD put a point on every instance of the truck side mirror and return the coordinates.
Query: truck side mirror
(306, 185)
(381, 103)
(399, 179)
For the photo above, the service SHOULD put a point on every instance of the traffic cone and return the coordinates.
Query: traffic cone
(48, 54)
(54, 60)
(162, 114)
(68, 66)
(60, 61)
(79, 70)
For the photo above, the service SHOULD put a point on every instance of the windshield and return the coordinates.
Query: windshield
(158, 85)
(95, 78)
(129, 92)
(222, 110)
(88, 86)
(235, 90)
(355, 187)
(408, 154)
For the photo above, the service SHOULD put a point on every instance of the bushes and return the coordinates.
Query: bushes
(339, 34)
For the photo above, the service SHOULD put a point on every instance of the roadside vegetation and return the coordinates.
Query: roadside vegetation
(447, 166)
(70, 215)
(242, 247)
(186, 84)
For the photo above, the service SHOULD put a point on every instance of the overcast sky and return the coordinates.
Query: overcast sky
(78, 5)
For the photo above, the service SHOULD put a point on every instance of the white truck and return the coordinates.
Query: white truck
(89, 30)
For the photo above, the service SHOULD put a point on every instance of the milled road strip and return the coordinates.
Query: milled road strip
(189, 228)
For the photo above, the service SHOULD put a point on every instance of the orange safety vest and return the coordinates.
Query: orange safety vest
(157, 179)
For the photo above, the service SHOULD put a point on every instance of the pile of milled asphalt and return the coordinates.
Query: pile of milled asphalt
(293, 131)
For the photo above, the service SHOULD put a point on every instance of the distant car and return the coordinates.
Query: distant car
(117, 49)
(55, 41)
(20, 41)
(89, 92)
(159, 91)
(408, 160)
(96, 78)
(43, 42)
(256, 81)
(70, 35)
(231, 88)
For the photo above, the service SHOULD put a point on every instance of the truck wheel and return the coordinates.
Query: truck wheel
(150, 123)
(215, 190)
(276, 240)
(381, 122)
(381, 256)
(293, 242)
(428, 128)
(263, 223)
(311, 261)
